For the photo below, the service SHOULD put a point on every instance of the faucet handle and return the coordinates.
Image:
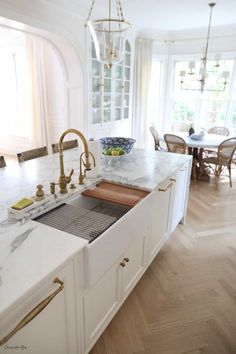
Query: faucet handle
(68, 178)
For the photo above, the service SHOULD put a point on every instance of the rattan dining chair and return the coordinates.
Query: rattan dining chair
(175, 143)
(69, 144)
(156, 139)
(2, 162)
(222, 159)
(32, 154)
(219, 131)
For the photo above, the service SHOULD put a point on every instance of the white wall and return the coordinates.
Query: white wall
(222, 39)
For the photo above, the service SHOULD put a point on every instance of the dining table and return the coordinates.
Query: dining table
(197, 147)
(208, 141)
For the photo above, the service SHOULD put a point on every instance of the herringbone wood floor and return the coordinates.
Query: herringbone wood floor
(186, 301)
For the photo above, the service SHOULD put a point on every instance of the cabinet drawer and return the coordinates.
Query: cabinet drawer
(47, 332)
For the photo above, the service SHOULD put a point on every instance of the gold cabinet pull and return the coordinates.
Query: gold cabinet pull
(126, 259)
(34, 312)
(172, 180)
(165, 189)
(122, 264)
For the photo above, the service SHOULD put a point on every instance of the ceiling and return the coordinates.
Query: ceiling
(162, 15)
(176, 15)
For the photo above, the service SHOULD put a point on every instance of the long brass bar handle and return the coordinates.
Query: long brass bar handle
(164, 190)
(34, 312)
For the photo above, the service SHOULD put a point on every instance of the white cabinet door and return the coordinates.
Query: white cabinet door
(178, 197)
(100, 304)
(159, 210)
(103, 300)
(133, 265)
(53, 330)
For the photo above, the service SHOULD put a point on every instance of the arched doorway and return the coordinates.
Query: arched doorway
(66, 80)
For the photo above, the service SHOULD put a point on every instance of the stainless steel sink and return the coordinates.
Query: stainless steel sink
(83, 217)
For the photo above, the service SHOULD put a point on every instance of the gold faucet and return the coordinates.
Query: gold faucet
(63, 179)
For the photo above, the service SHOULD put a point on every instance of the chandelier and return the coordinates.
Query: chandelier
(193, 81)
(109, 34)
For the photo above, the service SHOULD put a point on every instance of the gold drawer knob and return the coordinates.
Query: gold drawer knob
(126, 260)
(122, 264)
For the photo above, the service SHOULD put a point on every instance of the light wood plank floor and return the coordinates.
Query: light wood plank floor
(186, 301)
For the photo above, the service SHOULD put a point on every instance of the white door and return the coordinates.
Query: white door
(100, 304)
(133, 264)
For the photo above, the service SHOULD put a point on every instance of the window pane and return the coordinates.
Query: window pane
(127, 59)
(107, 71)
(117, 114)
(182, 111)
(214, 87)
(95, 84)
(127, 46)
(107, 115)
(107, 101)
(118, 72)
(118, 100)
(107, 85)
(127, 73)
(93, 50)
(95, 68)
(118, 86)
(96, 101)
(126, 100)
(126, 113)
(204, 109)
(213, 113)
(96, 116)
(126, 86)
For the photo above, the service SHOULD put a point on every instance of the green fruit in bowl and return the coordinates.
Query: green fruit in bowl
(107, 151)
(117, 151)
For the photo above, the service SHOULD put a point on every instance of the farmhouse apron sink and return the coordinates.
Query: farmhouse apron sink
(105, 211)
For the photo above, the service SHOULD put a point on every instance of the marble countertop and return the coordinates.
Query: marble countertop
(25, 256)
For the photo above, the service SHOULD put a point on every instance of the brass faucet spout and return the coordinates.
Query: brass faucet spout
(63, 179)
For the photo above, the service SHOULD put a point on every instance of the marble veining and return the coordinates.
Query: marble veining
(25, 245)
(17, 242)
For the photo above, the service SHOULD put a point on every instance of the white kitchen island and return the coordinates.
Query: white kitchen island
(32, 255)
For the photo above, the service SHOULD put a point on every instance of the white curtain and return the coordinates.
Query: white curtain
(142, 79)
(38, 94)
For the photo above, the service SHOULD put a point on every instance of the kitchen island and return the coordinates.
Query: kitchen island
(32, 254)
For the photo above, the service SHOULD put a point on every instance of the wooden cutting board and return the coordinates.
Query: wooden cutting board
(116, 193)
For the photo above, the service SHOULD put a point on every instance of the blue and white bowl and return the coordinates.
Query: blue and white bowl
(113, 142)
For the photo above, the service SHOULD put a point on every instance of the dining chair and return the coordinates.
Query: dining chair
(222, 159)
(175, 143)
(2, 162)
(69, 144)
(156, 139)
(32, 154)
(219, 131)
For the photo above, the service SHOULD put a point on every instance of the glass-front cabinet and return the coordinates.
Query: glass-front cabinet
(110, 93)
